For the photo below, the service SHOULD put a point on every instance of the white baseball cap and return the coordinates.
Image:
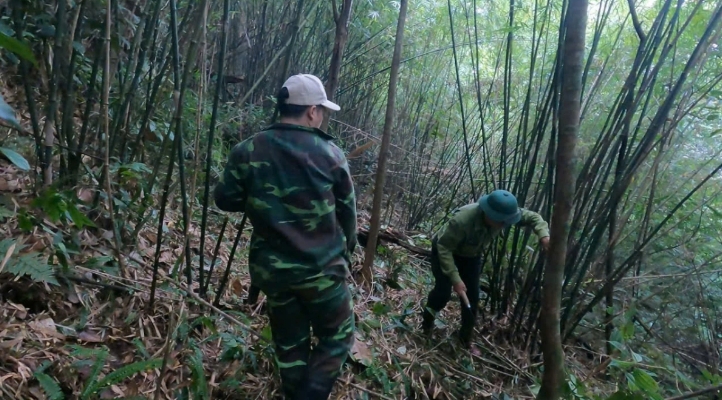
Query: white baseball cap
(307, 90)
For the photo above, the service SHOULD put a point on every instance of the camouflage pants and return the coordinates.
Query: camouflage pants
(325, 305)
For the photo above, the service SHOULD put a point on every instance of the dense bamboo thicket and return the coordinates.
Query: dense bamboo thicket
(120, 115)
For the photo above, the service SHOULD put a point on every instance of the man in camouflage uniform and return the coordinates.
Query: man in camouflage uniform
(295, 186)
(456, 253)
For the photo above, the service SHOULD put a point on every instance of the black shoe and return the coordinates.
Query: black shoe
(466, 335)
(319, 389)
(253, 293)
(428, 323)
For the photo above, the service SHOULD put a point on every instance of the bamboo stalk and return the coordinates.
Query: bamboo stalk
(106, 163)
(212, 129)
(215, 257)
(226, 274)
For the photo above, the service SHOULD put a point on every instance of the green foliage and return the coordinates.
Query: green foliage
(31, 264)
(141, 348)
(380, 308)
(626, 395)
(49, 385)
(15, 158)
(7, 114)
(106, 264)
(34, 266)
(97, 358)
(628, 367)
(199, 386)
(131, 171)
(122, 374)
(17, 47)
(640, 380)
(233, 347)
(5, 213)
(61, 207)
(98, 365)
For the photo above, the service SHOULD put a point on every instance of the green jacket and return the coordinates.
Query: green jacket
(294, 184)
(466, 235)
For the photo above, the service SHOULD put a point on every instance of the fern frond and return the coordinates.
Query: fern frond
(84, 352)
(129, 370)
(199, 385)
(92, 380)
(50, 387)
(34, 266)
(122, 374)
(141, 348)
(5, 213)
(5, 246)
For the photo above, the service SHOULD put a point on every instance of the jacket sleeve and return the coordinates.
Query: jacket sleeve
(449, 240)
(346, 204)
(535, 221)
(230, 193)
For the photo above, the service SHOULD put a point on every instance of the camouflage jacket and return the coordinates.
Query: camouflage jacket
(294, 184)
(466, 234)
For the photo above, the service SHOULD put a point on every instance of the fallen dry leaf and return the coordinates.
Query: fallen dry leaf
(37, 392)
(85, 195)
(167, 257)
(107, 235)
(152, 237)
(7, 255)
(46, 327)
(90, 337)
(73, 298)
(237, 287)
(8, 344)
(361, 353)
(20, 311)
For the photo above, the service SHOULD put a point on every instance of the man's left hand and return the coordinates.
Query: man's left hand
(544, 243)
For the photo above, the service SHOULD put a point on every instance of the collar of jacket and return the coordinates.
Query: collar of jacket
(482, 222)
(292, 127)
(479, 222)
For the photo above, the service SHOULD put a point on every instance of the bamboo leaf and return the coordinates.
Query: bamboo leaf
(7, 114)
(78, 218)
(645, 382)
(17, 47)
(15, 158)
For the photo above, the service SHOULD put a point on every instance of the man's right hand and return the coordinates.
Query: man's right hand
(459, 287)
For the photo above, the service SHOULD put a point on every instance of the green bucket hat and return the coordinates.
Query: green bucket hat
(501, 206)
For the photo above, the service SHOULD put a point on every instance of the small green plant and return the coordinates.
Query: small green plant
(31, 264)
(121, 374)
(199, 386)
(49, 385)
(97, 357)
(7, 117)
(61, 207)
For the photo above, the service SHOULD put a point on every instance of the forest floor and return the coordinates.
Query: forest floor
(91, 341)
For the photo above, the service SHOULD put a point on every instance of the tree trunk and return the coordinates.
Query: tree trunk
(385, 142)
(338, 46)
(570, 108)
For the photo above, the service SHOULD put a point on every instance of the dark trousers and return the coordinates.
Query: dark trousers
(469, 271)
(325, 305)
